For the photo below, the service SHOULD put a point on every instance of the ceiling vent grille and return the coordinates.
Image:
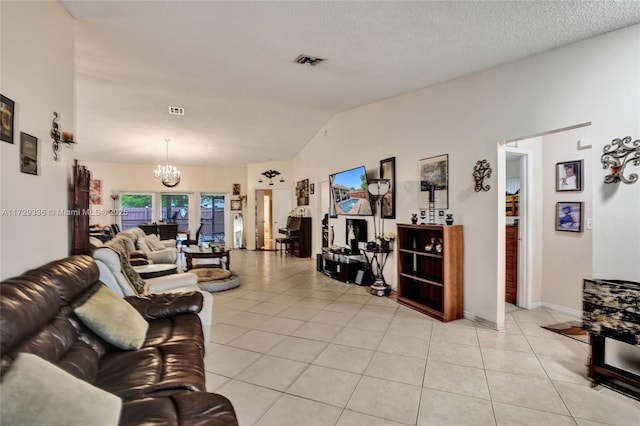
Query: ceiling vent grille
(176, 110)
(307, 60)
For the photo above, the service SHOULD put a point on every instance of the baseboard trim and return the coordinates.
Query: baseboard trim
(559, 309)
(484, 322)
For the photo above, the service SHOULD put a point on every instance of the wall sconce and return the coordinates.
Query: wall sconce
(59, 137)
(481, 171)
(270, 174)
(617, 155)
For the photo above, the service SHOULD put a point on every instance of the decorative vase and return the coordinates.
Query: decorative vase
(449, 219)
(429, 247)
(414, 218)
(438, 247)
(331, 236)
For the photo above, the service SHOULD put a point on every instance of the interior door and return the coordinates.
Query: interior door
(259, 219)
(281, 207)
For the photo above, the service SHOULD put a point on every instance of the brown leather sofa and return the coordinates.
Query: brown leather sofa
(163, 382)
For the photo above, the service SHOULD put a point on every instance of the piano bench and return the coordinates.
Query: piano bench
(287, 242)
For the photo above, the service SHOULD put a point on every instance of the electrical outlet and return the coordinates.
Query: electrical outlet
(589, 223)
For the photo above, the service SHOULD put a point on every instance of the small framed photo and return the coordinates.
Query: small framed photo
(236, 189)
(7, 110)
(569, 216)
(236, 204)
(28, 154)
(569, 176)
(312, 188)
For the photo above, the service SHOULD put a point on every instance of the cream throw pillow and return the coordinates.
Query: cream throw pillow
(36, 392)
(113, 319)
(141, 244)
(154, 243)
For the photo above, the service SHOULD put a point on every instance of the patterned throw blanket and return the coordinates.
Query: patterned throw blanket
(139, 286)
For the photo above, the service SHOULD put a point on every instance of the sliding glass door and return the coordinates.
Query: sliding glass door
(212, 218)
(175, 209)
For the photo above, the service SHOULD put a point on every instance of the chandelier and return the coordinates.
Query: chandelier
(168, 174)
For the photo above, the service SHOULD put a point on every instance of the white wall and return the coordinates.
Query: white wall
(566, 256)
(467, 117)
(37, 72)
(254, 173)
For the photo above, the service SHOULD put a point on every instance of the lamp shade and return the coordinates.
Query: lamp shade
(379, 187)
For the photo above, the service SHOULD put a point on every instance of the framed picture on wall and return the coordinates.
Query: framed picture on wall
(569, 216)
(95, 191)
(312, 188)
(28, 154)
(388, 171)
(7, 109)
(236, 205)
(236, 189)
(302, 192)
(433, 174)
(569, 176)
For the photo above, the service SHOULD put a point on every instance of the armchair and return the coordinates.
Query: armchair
(112, 274)
(167, 254)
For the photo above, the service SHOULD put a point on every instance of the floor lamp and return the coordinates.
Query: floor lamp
(377, 189)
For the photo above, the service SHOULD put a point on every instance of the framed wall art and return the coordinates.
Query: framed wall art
(433, 173)
(28, 154)
(302, 192)
(388, 171)
(95, 191)
(569, 216)
(7, 110)
(236, 189)
(569, 176)
(236, 205)
(312, 188)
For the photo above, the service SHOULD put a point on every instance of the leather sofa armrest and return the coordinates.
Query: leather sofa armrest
(164, 305)
(138, 261)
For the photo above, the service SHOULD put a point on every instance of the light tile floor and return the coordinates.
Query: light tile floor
(291, 346)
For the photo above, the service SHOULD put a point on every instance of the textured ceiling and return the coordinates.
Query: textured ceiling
(230, 65)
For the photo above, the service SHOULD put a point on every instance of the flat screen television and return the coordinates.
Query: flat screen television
(349, 195)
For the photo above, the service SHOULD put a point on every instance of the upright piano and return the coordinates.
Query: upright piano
(298, 230)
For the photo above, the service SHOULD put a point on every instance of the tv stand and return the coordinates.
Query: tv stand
(343, 267)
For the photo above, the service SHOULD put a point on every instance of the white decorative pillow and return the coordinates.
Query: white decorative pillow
(142, 244)
(36, 392)
(154, 243)
(113, 319)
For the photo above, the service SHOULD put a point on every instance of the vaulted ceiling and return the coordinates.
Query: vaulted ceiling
(230, 65)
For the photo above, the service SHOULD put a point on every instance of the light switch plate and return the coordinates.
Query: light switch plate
(589, 223)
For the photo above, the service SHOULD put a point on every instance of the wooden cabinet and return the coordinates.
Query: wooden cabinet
(429, 281)
(511, 264)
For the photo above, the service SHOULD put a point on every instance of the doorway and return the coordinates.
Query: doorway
(272, 209)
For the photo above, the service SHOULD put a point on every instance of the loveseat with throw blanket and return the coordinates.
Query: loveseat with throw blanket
(74, 353)
(116, 272)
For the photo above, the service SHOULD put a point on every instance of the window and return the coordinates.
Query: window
(136, 209)
(175, 209)
(212, 208)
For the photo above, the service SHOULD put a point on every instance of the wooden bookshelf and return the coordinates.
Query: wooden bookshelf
(429, 281)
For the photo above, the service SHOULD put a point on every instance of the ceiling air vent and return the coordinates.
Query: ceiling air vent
(176, 110)
(307, 60)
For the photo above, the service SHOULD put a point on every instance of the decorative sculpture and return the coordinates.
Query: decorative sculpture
(617, 155)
